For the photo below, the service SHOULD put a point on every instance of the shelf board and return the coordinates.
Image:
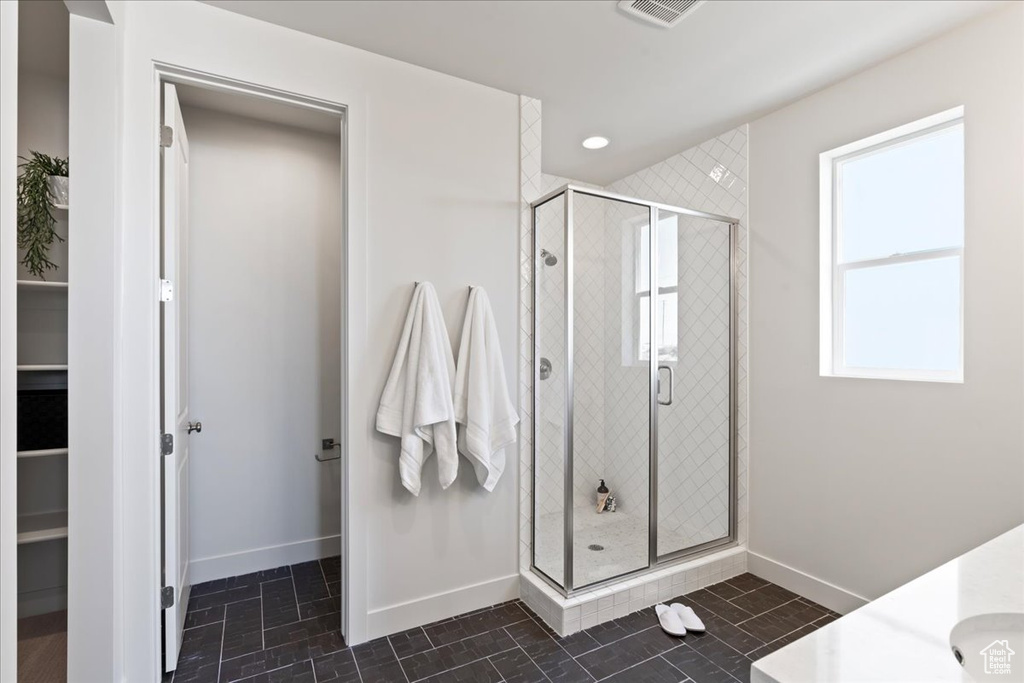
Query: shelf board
(44, 526)
(42, 285)
(63, 207)
(42, 452)
(42, 368)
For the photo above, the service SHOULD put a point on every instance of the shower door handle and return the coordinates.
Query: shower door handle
(671, 384)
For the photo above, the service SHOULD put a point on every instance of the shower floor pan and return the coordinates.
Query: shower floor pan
(605, 545)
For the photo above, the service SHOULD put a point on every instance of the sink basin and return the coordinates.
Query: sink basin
(990, 647)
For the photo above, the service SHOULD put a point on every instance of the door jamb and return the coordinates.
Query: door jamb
(353, 313)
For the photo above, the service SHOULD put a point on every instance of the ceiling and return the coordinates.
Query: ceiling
(653, 92)
(260, 108)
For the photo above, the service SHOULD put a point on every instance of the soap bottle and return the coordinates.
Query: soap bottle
(602, 496)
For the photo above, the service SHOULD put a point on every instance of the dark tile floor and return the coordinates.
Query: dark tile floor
(282, 625)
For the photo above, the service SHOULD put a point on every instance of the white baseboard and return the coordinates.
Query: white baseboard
(31, 603)
(406, 615)
(248, 561)
(820, 591)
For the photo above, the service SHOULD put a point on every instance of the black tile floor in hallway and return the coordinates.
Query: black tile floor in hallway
(282, 625)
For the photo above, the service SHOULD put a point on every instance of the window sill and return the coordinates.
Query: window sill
(934, 378)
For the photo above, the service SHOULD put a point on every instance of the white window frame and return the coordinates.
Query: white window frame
(638, 295)
(832, 272)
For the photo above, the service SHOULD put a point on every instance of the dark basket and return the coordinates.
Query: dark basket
(42, 419)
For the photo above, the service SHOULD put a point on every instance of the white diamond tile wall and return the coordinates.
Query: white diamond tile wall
(710, 177)
(693, 458)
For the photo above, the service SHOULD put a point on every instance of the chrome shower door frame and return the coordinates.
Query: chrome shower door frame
(569, 192)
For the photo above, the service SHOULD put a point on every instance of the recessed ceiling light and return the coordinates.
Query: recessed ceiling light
(596, 142)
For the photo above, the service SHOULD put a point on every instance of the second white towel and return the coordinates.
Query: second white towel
(482, 404)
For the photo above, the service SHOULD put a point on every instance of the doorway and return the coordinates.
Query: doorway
(251, 373)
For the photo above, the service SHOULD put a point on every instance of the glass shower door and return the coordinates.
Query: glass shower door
(550, 390)
(611, 388)
(633, 369)
(694, 341)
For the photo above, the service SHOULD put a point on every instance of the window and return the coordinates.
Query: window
(668, 287)
(892, 249)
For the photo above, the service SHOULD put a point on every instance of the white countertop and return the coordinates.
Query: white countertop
(904, 635)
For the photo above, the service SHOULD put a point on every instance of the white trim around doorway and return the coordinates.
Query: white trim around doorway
(138, 376)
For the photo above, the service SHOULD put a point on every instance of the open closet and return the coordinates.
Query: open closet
(251, 373)
(42, 341)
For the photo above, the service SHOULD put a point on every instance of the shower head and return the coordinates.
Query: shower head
(549, 258)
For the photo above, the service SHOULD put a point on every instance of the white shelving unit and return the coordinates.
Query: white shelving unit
(42, 472)
(42, 452)
(41, 309)
(41, 285)
(42, 526)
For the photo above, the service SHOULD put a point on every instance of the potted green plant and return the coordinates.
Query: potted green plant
(42, 184)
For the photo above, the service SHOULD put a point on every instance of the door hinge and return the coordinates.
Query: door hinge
(166, 136)
(166, 290)
(167, 597)
(166, 444)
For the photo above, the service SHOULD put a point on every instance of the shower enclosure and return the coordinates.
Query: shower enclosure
(634, 373)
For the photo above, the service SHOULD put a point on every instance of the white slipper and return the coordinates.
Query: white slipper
(670, 621)
(688, 618)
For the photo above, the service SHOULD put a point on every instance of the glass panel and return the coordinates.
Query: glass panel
(668, 279)
(550, 392)
(667, 255)
(694, 343)
(904, 198)
(903, 316)
(611, 384)
(668, 329)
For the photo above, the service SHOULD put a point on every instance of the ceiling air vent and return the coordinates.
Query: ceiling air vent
(664, 13)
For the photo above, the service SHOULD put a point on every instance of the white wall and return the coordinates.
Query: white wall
(432, 171)
(8, 322)
(864, 483)
(443, 203)
(264, 259)
(94, 471)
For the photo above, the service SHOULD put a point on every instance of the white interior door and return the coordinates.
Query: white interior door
(174, 373)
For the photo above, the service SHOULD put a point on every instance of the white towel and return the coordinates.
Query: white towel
(417, 402)
(482, 403)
